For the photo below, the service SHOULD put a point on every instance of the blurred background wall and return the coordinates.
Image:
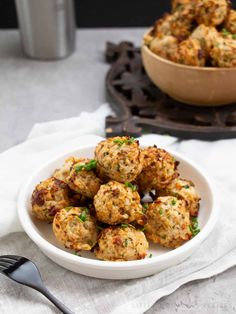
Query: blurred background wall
(100, 13)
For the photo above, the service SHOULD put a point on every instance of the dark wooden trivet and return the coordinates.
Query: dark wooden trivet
(141, 107)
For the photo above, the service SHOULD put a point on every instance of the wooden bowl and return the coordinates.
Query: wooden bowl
(200, 86)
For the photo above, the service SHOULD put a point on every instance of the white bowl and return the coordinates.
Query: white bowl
(86, 264)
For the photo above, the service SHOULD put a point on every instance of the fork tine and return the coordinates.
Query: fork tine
(11, 257)
(7, 260)
(6, 264)
(2, 268)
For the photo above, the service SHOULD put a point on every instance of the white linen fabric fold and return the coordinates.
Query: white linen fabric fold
(215, 255)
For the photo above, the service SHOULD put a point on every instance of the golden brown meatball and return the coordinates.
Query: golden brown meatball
(75, 228)
(63, 172)
(117, 203)
(183, 189)
(120, 158)
(182, 23)
(211, 12)
(48, 198)
(164, 46)
(224, 53)
(207, 36)
(178, 5)
(83, 179)
(101, 174)
(168, 222)
(230, 23)
(121, 244)
(191, 53)
(159, 169)
(162, 26)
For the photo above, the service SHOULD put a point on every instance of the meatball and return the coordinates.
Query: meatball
(164, 46)
(120, 158)
(191, 53)
(148, 38)
(178, 5)
(230, 23)
(224, 53)
(82, 178)
(183, 189)
(63, 173)
(75, 228)
(162, 26)
(206, 35)
(101, 174)
(48, 198)
(168, 222)
(117, 203)
(159, 169)
(121, 244)
(211, 12)
(182, 23)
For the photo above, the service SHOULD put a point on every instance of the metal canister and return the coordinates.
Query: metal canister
(47, 28)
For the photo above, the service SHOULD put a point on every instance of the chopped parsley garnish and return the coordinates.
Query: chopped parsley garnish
(120, 142)
(173, 202)
(68, 208)
(145, 206)
(131, 140)
(186, 186)
(150, 255)
(124, 225)
(225, 32)
(130, 185)
(194, 227)
(78, 217)
(143, 229)
(83, 216)
(92, 164)
(161, 211)
(126, 242)
(85, 209)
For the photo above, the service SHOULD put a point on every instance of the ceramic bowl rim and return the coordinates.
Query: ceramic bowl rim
(32, 232)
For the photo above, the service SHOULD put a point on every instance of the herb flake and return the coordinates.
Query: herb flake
(121, 142)
(194, 227)
(92, 164)
(124, 225)
(186, 186)
(225, 32)
(130, 185)
(83, 216)
(68, 208)
(126, 242)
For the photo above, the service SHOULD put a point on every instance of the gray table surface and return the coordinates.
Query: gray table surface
(33, 91)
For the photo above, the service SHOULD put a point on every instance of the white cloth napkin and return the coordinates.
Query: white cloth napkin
(215, 255)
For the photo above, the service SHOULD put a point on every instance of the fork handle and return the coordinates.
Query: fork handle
(56, 302)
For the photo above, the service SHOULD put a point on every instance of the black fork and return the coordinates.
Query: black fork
(25, 272)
